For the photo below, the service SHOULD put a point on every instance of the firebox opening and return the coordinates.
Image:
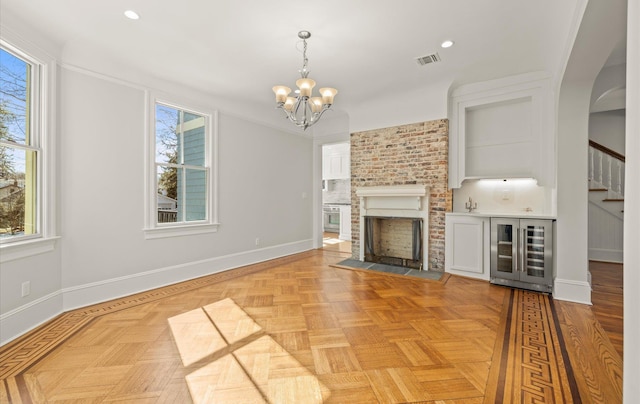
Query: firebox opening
(394, 241)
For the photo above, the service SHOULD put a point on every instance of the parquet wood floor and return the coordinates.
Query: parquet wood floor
(293, 330)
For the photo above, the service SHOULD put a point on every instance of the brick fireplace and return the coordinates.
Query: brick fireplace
(414, 154)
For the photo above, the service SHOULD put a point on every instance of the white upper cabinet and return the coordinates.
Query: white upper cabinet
(502, 129)
(336, 161)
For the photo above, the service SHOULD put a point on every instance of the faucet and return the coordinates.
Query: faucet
(471, 205)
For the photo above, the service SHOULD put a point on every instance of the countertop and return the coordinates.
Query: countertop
(525, 215)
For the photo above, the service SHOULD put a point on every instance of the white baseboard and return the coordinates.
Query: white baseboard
(475, 275)
(18, 321)
(25, 318)
(605, 255)
(572, 291)
(88, 294)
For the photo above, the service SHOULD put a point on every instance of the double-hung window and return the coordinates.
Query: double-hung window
(183, 183)
(25, 199)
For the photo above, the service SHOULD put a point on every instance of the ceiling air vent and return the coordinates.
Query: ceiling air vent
(425, 60)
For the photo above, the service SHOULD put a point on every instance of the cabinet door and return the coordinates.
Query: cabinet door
(504, 248)
(467, 246)
(336, 161)
(536, 250)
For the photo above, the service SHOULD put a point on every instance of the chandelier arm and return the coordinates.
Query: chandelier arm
(318, 115)
(296, 107)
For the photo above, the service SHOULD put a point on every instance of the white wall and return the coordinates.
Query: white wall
(608, 89)
(571, 281)
(264, 185)
(631, 388)
(607, 128)
(420, 104)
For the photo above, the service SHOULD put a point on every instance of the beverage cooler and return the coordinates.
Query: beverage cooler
(522, 253)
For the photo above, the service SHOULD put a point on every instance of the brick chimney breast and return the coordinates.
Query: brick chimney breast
(403, 155)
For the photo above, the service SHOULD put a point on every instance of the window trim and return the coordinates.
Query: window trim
(43, 126)
(152, 229)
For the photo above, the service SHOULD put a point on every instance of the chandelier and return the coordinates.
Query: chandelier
(303, 109)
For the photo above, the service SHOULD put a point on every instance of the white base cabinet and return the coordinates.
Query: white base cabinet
(467, 241)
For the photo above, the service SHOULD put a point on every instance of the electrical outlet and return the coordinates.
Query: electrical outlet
(26, 288)
(257, 240)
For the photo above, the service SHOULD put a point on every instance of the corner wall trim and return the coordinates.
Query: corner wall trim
(572, 291)
(18, 321)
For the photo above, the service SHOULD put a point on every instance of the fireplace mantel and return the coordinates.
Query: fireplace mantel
(393, 190)
(394, 197)
(395, 201)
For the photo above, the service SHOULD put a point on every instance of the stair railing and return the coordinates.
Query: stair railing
(606, 170)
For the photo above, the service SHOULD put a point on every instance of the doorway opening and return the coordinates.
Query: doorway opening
(336, 196)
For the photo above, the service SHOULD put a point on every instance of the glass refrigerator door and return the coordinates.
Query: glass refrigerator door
(536, 251)
(506, 258)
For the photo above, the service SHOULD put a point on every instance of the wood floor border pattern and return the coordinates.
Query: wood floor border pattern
(530, 363)
(18, 355)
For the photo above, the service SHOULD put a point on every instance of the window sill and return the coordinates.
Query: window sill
(27, 248)
(179, 231)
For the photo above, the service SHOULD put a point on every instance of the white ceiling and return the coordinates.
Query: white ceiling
(239, 49)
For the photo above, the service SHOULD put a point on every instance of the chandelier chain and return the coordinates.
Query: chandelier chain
(304, 72)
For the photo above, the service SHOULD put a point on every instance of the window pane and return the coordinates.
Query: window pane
(181, 165)
(15, 75)
(196, 195)
(194, 140)
(167, 194)
(166, 138)
(17, 192)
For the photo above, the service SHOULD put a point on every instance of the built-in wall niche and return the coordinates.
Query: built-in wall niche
(495, 149)
(502, 129)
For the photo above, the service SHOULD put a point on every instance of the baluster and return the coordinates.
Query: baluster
(600, 154)
(609, 178)
(591, 168)
(620, 167)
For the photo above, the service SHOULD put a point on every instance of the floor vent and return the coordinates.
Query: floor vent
(425, 60)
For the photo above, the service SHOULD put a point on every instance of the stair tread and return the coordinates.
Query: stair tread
(613, 200)
(598, 189)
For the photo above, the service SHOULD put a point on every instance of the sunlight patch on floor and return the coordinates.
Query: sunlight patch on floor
(331, 241)
(234, 361)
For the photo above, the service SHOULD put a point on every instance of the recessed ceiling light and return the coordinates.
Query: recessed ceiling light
(447, 44)
(132, 15)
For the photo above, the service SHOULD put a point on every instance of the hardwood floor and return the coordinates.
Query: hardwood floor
(594, 335)
(607, 299)
(298, 329)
